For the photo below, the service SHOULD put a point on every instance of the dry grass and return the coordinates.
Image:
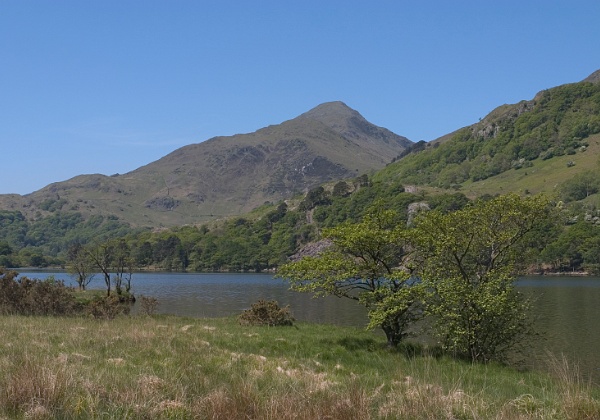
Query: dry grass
(168, 367)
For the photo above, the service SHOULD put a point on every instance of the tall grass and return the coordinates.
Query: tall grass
(170, 367)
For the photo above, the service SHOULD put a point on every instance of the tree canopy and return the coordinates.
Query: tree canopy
(467, 260)
(459, 267)
(365, 262)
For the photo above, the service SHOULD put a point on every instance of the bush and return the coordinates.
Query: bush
(107, 307)
(267, 313)
(148, 305)
(48, 297)
(24, 296)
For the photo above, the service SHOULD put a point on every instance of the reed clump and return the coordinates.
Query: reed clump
(172, 367)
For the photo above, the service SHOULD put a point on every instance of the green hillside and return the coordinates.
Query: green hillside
(555, 126)
(542, 176)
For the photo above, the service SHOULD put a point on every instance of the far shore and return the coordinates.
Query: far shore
(157, 270)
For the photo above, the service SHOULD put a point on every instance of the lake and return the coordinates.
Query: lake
(567, 309)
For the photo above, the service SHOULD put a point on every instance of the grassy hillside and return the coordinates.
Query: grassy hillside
(555, 125)
(543, 176)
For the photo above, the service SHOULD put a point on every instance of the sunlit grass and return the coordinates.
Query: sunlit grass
(171, 367)
(544, 176)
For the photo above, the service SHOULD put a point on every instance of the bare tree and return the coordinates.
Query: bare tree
(80, 265)
(122, 264)
(101, 256)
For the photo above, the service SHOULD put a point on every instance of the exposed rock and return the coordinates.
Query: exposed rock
(415, 208)
(313, 249)
(593, 78)
(162, 203)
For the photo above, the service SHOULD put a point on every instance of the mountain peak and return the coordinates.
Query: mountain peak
(350, 124)
(593, 78)
(330, 110)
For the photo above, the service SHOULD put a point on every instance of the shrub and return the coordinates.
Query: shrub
(148, 305)
(107, 307)
(24, 296)
(267, 313)
(48, 297)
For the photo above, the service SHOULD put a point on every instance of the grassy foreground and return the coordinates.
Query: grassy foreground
(180, 368)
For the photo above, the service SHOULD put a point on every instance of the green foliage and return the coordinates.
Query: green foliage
(107, 307)
(52, 205)
(554, 124)
(445, 203)
(316, 196)
(364, 264)
(267, 313)
(575, 248)
(341, 189)
(80, 265)
(113, 259)
(353, 207)
(467, 261)
(580, 186)
(46, 240)
(414, 148)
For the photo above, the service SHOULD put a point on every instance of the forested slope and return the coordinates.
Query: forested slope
(556, 122)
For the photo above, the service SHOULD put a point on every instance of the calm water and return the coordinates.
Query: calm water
(567, 309)
(224, 294)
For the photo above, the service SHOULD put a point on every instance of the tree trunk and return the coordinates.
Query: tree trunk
(393, 334)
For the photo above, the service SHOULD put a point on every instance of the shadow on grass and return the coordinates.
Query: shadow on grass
(407, 349)
(355, 344)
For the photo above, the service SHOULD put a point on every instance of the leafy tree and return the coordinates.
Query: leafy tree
(341, 189)
(5, 248)
(467, 262)
(142, 253)
(315, 197)
(445, 203)
(576, 248)
(582, 185)
(365, 264)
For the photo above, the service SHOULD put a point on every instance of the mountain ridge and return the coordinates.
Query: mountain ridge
(228, 175)
(556, 122)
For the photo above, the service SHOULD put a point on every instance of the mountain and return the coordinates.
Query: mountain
(559, 126)
(226, 176)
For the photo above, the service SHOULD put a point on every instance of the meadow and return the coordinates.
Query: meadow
(146, 367)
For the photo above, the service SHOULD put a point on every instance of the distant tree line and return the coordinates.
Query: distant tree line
(44, 241)
(266, 238)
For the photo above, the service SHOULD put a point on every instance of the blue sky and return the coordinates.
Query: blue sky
(108, 86)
